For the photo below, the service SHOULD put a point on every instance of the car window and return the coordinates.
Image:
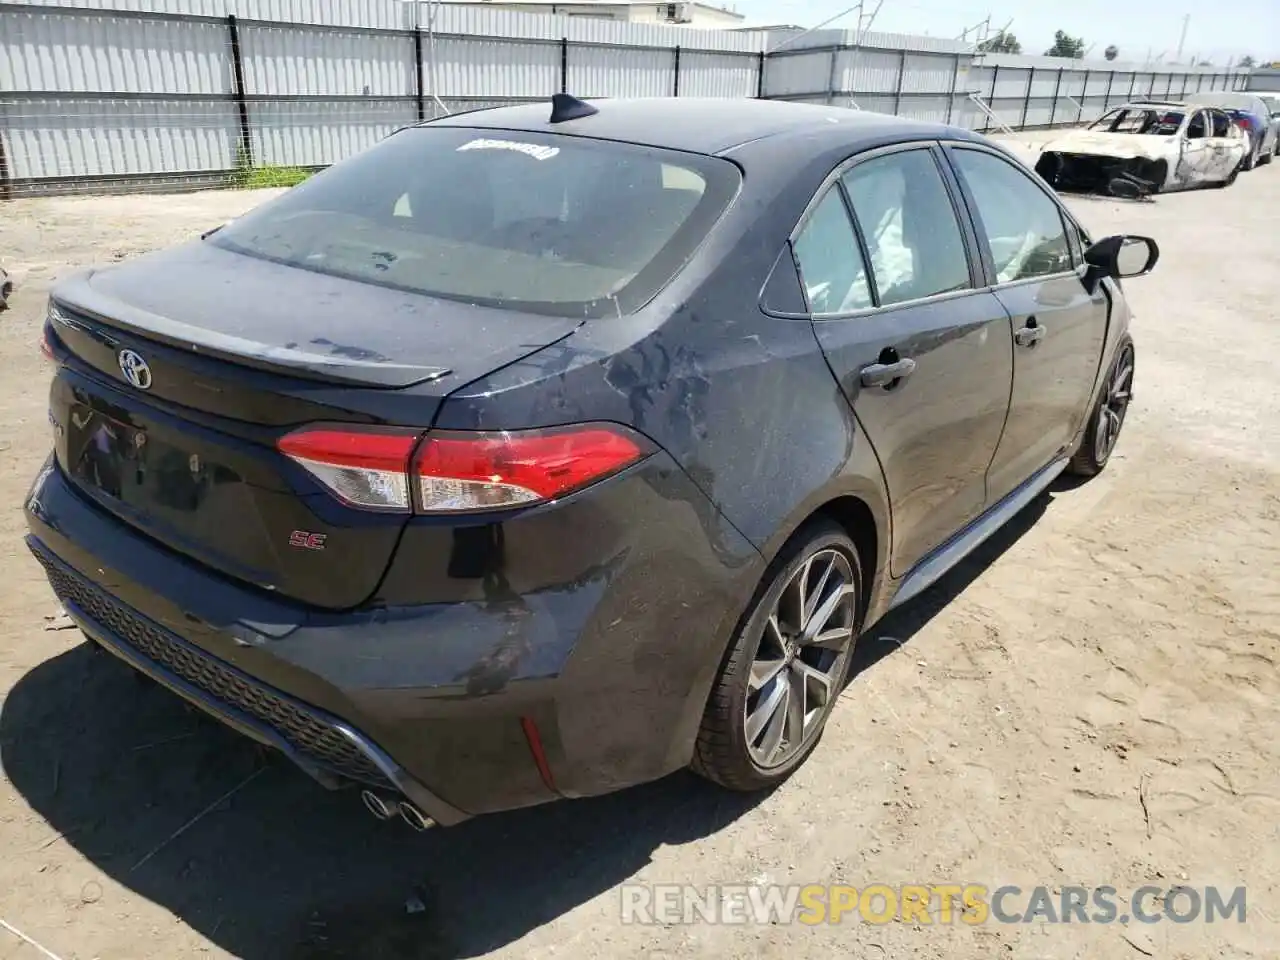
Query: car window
(1199, 127)
(562, 225)
(830, 261)
(909, 225)
(1020, 222)
(1144, 120)
(1221, 123)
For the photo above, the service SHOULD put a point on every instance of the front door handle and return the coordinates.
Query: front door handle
(887, 374)
(1029, 335)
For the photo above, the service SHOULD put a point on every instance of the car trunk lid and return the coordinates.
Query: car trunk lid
(237, 352)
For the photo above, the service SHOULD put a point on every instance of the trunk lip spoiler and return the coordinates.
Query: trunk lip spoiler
(75, 303)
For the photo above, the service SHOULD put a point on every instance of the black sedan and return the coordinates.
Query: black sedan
(540, 451)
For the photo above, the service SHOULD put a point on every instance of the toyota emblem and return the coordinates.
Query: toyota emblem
(135, 369)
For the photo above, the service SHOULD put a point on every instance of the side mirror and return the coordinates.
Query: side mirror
(1122, 256)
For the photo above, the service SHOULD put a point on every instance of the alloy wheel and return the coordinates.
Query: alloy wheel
(795, 673)
(1115, 404)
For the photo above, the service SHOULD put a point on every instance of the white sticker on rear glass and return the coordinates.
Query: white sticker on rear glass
(535, 150)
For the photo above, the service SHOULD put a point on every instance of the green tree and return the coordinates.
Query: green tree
(1066, 46)
(1246, 61)
(1111, 52)
(1002, 42)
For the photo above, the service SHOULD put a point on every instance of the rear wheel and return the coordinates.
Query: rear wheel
(783, 674)
(1107, 417)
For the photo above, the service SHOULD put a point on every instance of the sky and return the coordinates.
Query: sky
(1225, 28)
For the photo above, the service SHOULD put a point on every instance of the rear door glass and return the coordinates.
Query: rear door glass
(909, 223)
(831, 267)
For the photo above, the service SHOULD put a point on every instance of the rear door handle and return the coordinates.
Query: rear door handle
(1029, 335)
(884, 374)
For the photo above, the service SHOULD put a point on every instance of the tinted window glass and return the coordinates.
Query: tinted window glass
(561, 225)
(910, 227)
(1019, 222)
(835, 279)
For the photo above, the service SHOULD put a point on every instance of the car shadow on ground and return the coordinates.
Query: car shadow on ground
(282, 869)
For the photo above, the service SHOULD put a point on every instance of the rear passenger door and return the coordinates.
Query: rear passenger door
(1058, 325)
(923, 356)
(1227, 147)
(1197, 153)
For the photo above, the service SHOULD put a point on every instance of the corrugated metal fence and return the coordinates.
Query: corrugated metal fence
(99, 94)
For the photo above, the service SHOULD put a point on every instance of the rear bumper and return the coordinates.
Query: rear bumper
(461, 707)
(325, 747)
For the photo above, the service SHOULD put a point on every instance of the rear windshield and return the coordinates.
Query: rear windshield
(550, 224)
(1161, 123)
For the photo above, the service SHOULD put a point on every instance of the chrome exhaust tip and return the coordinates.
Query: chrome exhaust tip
(415, 817)
(378, 805)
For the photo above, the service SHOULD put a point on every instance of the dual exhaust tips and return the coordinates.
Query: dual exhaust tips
(384, 808)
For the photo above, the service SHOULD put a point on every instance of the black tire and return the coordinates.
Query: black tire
(1267, 157)
(1117, 389)
(723, 754)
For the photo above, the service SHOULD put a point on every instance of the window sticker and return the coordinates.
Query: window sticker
(535, 150)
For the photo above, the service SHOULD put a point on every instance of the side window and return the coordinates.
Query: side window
(909, 225)
(830, 261)
(1198, 128)
(1021, 224)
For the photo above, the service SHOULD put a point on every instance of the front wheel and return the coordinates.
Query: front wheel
(1107, 417)
(781, 678)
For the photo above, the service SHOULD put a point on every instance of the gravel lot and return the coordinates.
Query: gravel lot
(1093, 699)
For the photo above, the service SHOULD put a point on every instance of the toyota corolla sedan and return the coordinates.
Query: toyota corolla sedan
(540, 451)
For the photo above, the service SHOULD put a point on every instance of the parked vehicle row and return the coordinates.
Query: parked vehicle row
(526, 456)
(1154, 146)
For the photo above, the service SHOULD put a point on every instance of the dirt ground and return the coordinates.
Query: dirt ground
(1092, 699)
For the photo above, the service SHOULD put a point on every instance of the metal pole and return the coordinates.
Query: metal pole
(1057, 89)
(564, 64)
(245, 157)
(951, 94)
(1133, 82)
(1026, 103)
(6, 188)
(1106, 99)
(417, 62)
(760, 77)
(805, 33)
(902, 75)
(991, 100)
(831, 74)
(1084, 95)
(675, 87)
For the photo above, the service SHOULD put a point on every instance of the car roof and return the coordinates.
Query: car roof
(1224, 98)
(1153, 104)
(700, 125)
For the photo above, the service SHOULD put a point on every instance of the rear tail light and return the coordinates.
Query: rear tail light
(458, 472)
(364, 468)
(46, 344)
